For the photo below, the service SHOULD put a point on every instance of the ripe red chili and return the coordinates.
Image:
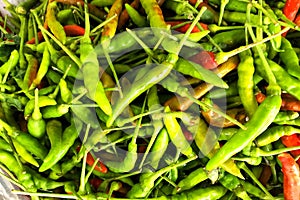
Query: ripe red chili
(292, 141)
(99, 167)
(95, 183)
(291, 177)
(291, 8)
(288, 102)
(297, 20)
(90, 161)
(205, 59)
(185, 27)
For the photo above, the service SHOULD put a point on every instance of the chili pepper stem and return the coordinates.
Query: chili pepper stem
(188, 32)
(222, 57)
(222, 8)
(63, 47)
(244, 167)
(259, 152)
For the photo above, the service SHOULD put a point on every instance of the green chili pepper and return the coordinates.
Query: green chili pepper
(31, 144)
(240, 17)
(154, 13)
(176, 135)
(31, 70)
(90, 70)
(56, 28)
(141, 85)
(234, 5)
(274, 133)
(206, 141)
(255, 191)
(45, 63)
(245, 83)
(55, 111)
(36, 124)
(64, 62)
(22, 34)
(42, 102)
(86, 115)
(60, 142)
(24, 154)
(25, 6)
(66, 17)
(284, 80)
(135, 16)
(212, 192)
(159, 140)
(181, 8)
(227, 133)
(102, 3)
(197, 71)
(11, 163)
(65, 92)
(289, 58)
(42, 182)
(159, 147)
(141, 189)
(11, 62)
(285, 116)
(261, 119)
(192, 179)
(5, 145)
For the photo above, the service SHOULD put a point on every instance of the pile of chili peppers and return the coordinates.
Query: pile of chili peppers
(146, 99)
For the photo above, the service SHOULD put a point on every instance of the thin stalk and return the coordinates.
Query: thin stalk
(188, 32)
(244, 167)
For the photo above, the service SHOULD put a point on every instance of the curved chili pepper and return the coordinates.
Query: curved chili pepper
(245, 82)
(36, 124)
(289, 58)
(99, 166)
(261, 119)
(291, 176)
(291, 141)
(135, 16)
(274, 133)
(176, 135)
(291, 8)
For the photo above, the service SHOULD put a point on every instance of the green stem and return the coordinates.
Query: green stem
(143, 45)
(188, 32)
(222, 57)
(63, 47)
(259, 152)
(244, 167)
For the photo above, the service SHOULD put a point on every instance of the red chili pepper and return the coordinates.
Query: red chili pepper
(32, 40)
(265, 175)
(290, 10)
(7, 29)
(185, 27)
(90, 161)
(74, 30)
(297, 20)
(288, 102)
(99, 167)
(205, 59)
(71, 30)
(291, 177)
(95, 183)
(292, 141)
(187, 134)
